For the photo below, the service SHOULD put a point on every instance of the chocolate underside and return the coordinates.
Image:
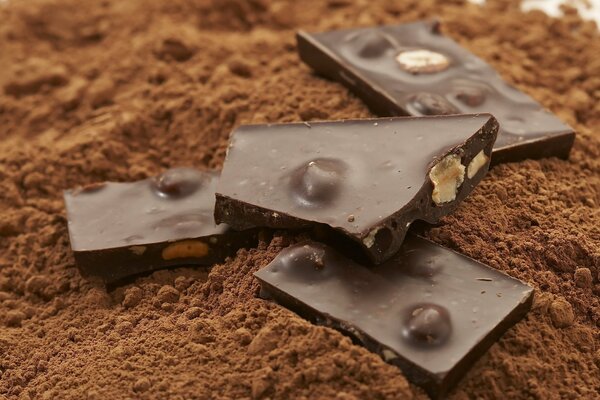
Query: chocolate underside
(363, 60)
(383, 190)
(372, 305)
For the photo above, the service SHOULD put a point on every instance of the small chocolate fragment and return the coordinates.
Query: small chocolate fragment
(367, 179)
(122, 229)
(412, 69)
(433, 325)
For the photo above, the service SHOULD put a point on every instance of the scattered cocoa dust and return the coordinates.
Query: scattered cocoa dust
(91, 91)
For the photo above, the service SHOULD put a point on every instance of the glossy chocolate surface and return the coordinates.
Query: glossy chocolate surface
(120, 229)
(429, 310)
(368, 179)
(444, 78)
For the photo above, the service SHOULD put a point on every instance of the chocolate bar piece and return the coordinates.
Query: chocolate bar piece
(412, 69)
(366, 179)
(122, 229)
(430, 311)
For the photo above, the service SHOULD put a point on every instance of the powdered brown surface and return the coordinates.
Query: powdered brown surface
(120, 90)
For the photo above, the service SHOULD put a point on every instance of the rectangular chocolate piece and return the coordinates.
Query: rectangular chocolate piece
(429, 310)
(122, 229)
(412, 69)
(367, 179)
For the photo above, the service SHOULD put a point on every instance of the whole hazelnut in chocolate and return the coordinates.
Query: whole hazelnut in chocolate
(422, 61)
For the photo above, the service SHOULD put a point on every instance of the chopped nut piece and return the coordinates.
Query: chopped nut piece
(446, 176)
(476, 163)
(388, 355)
(138, 250)
(185, 249)
(421, 61)
(369, 240)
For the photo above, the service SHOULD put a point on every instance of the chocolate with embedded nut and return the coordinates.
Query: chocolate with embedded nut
(122, 229)
(428, 310)
(412, 69)
(367, 179)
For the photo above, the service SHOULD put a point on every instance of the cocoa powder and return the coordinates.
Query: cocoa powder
(120, 91)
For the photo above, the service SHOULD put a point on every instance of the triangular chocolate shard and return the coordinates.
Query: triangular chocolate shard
(368, 179)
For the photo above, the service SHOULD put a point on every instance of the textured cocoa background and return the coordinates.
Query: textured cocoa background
(120, 90)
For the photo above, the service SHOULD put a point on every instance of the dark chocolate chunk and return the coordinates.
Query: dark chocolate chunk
(430, 311)
(122, 229)
(367, 179)
(412, 69)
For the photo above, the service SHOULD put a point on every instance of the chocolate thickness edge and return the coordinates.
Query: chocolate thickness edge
(237, 213)
(434, 384)
(114, 264)
(327, 64)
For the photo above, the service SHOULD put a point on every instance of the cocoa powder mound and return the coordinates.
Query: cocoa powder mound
(115, 90)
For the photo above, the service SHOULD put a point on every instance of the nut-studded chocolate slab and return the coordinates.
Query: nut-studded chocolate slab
(430, 311)
(368, 179)
(412, 69)
(122, 229)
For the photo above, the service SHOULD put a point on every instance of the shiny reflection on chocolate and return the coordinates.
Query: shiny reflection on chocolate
(427, 324)
(430, 104)
(177, 182)
(184, 221)
(318, 182)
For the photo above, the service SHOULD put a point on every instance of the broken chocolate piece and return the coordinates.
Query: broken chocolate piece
(367, 179)
(122, 229)
(429, 310)
(412, 69)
